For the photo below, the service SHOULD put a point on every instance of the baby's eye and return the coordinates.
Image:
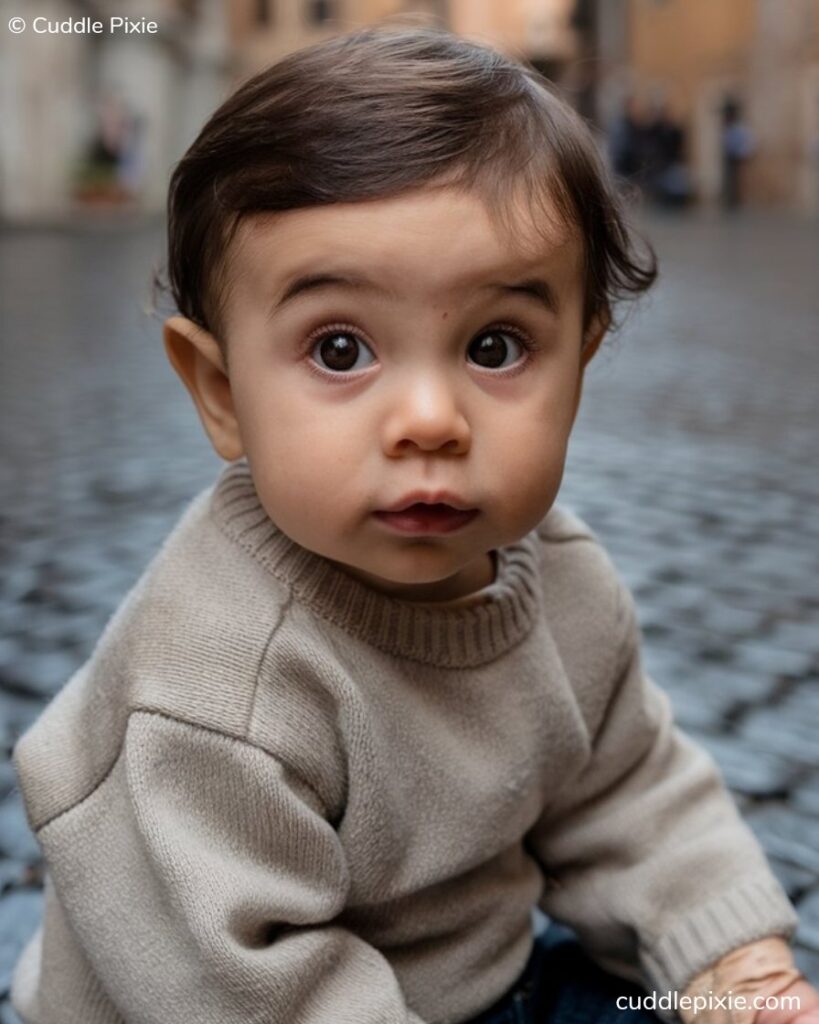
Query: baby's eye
(339, 351)
(491, 349)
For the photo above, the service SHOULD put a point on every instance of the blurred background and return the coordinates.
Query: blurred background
(702, 100)
(695, 453)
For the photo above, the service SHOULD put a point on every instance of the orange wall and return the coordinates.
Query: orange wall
(684, 41)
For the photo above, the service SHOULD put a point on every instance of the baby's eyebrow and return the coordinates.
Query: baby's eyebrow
(313, 282)
(535, 288)
(541, 291)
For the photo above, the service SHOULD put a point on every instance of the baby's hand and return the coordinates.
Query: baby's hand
(808, 1012)
(764, 968)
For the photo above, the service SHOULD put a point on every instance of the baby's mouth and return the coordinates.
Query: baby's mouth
(427, 518)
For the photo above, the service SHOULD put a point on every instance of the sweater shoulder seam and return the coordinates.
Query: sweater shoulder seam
(139, 709)
(566, 527)
(277, 625)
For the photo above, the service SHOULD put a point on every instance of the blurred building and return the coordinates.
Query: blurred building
(91, 120)
(541, 30)
(697, 57)
(98, 119)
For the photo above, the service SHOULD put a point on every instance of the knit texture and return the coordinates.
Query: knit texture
(273, 795)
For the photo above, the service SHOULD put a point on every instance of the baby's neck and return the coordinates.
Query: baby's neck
(474, 577)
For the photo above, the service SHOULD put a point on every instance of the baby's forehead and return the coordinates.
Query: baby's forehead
(453, 240)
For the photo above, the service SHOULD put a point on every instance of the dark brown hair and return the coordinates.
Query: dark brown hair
(377, 112)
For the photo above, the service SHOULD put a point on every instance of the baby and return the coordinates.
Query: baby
(378, 696)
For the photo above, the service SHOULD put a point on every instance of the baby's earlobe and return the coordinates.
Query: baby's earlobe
(593, 337)
(198, 361)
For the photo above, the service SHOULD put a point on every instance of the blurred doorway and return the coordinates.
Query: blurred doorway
(810, 135)
(708, 125)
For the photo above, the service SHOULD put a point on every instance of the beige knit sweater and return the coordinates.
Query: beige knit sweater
(274, 795)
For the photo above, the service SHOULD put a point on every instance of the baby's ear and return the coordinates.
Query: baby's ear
(197, 358)
(593, 336)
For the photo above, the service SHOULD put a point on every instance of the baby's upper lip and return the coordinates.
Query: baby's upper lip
(430, 498)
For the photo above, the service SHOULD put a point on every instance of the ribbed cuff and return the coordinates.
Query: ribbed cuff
(753, 909)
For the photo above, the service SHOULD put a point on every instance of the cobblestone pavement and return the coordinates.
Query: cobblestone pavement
(694, 459)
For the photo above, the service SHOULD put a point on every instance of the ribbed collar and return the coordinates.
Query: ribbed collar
(456, 637)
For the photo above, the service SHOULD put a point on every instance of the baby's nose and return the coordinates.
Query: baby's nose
(427, 414)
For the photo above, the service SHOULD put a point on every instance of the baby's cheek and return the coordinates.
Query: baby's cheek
(528, 480)
(532, 450)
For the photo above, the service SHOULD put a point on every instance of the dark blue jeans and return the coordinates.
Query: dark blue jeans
(562, 985)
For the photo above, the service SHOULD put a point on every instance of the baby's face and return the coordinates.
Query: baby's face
(382, 350)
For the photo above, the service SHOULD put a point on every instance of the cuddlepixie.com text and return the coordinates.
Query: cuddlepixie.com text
(712, 1001)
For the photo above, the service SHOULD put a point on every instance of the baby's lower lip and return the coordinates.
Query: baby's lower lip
(422, 518)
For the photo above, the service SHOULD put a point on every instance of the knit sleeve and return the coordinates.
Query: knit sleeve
(644, 853)
(213, 890)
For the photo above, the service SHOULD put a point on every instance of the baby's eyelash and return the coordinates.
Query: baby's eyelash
(516, 333)
(328, 331)
(342, 328)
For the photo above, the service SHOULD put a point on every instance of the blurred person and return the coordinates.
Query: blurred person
(131, 168)
(628, 142)
(738, 146)
(670, 178)
(112, 169)
(378, 695)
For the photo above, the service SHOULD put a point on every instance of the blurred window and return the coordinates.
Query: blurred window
(319, 11)
(437, 8)
(264, 12)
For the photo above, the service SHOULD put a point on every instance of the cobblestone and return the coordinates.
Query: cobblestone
(16, 840)
(689, 460)
(8, 779)
(809, 920)
(735, 684)
(20, 912)
(13, 874)
(698, 711)
(805, 796)
(7, 1015)
(795, 880)
(765, 657)
(787, 834)
(807, 962)
(790, 728)
(796, 636)
(749, 771)
(721, 618)
(38, 672)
